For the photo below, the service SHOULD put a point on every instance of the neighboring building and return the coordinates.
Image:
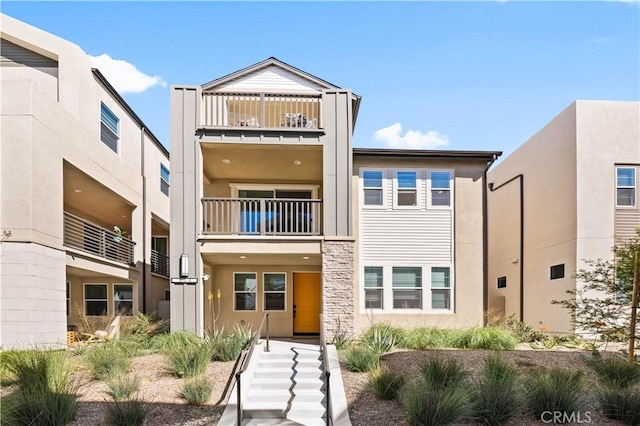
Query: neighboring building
(566, 195)
(77, 165)
(268, 201)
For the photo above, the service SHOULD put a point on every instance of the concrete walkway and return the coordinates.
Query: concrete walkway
(285, 386)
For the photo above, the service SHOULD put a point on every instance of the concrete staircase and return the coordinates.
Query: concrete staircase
(284, 386)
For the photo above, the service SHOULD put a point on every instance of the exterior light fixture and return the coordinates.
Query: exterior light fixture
(184, 265)
(226, 161)
(297, 162)
(79, 191)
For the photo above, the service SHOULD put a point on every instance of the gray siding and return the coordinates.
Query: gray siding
(627, 222)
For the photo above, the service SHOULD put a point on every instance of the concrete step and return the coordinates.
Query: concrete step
(295, 375)
(283, 422)
(282, 363)
(294, 396)
(270, 410)
(286, 384)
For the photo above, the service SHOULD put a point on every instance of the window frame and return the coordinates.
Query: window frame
(114, 301)
(254, 292)
(415, 189)
(431, 188)
(373, 188)
(633, 187)
(68, 288)
(501, 280)
(165, 182)
(105, 300)
(449, 288)
(419, 290)
(265, 292)
(551, 269)
(106, 126)
(378, 288)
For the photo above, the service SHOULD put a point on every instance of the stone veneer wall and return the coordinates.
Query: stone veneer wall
(337, 287)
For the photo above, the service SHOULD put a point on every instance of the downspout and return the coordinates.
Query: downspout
(485, 240)
(144, 222)
(521, 259)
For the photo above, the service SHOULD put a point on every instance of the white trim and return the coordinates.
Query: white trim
(634, 187)
(264, 292)
(237, 187)
(418, 189)
(84, 298)
(132, 300)
(361, 188)
(233, 300)
(68, 288)
(430, 188)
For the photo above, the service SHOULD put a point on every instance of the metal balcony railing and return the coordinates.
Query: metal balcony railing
(159, 263)
(85, 236)
(261, 110)
(247, 216)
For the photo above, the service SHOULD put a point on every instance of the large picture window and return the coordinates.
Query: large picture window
(440, 188)
(625, 187)
(95, 299)
(407, 191)
(373, 287)
(123, 299)
(244, 291)
(372, 183)
(407, 287)
(275, 287)
(440, 288)
(109, 128)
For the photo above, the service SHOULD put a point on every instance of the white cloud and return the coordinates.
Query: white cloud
(125, 77)
(412, 139)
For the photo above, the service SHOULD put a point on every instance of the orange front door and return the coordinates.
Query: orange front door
(306, 302)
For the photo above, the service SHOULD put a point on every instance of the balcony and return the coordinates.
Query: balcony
(159, 263)
(260, 111)
(261, 217)
(87, 237)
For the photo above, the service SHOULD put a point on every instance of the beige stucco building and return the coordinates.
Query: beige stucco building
(271, 204)
(564, 196)
(84, 188)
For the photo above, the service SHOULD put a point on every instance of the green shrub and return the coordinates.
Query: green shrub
(40, 370)
(361, 359)
(197, 391)
(616, 372)
(523, 332)
(429, 337)
(440, 374)
(228, 346)
(130, 412)
(108, 360)
(168, 342)
(385, 383)
(622, 405)
(485, 338)
(141, 329)
(379, 338)
(123, 387)
(554, 390)
(26, 408)
(189, 361)
(495, 398)
(429, 407)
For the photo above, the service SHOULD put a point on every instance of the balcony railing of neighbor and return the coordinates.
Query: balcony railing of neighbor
(85, 236)
(251, 216)
(159, 263)
(261, 110)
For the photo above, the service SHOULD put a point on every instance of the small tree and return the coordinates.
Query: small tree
(601, 305)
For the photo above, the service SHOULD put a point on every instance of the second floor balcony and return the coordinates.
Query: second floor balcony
(261, 217)
(159, 263)
(80, 234)
(260, 111)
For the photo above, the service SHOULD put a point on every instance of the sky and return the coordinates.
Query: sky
(477, 75)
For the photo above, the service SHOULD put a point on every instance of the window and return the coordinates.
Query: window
(407, 288)
(164, 180)
(556, 272)
(373, 287)
(275, 285)
(407, 188)
(625, 187)
(167, 294)
(159, 244)
(122, 299)
(95, 299)
(244, 291)
(109, 128)
(440, 288)
(441, 188)
(372, 188)
(68, 299)
(502, 282)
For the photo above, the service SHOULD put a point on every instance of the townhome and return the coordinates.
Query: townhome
(568, 194)
(85, 195)
(277, 214)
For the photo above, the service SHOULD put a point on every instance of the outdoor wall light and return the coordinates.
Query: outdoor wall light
(184, 265)
(205, 277)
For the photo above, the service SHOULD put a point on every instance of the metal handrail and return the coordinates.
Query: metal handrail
(245, 363)
(327, 371)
